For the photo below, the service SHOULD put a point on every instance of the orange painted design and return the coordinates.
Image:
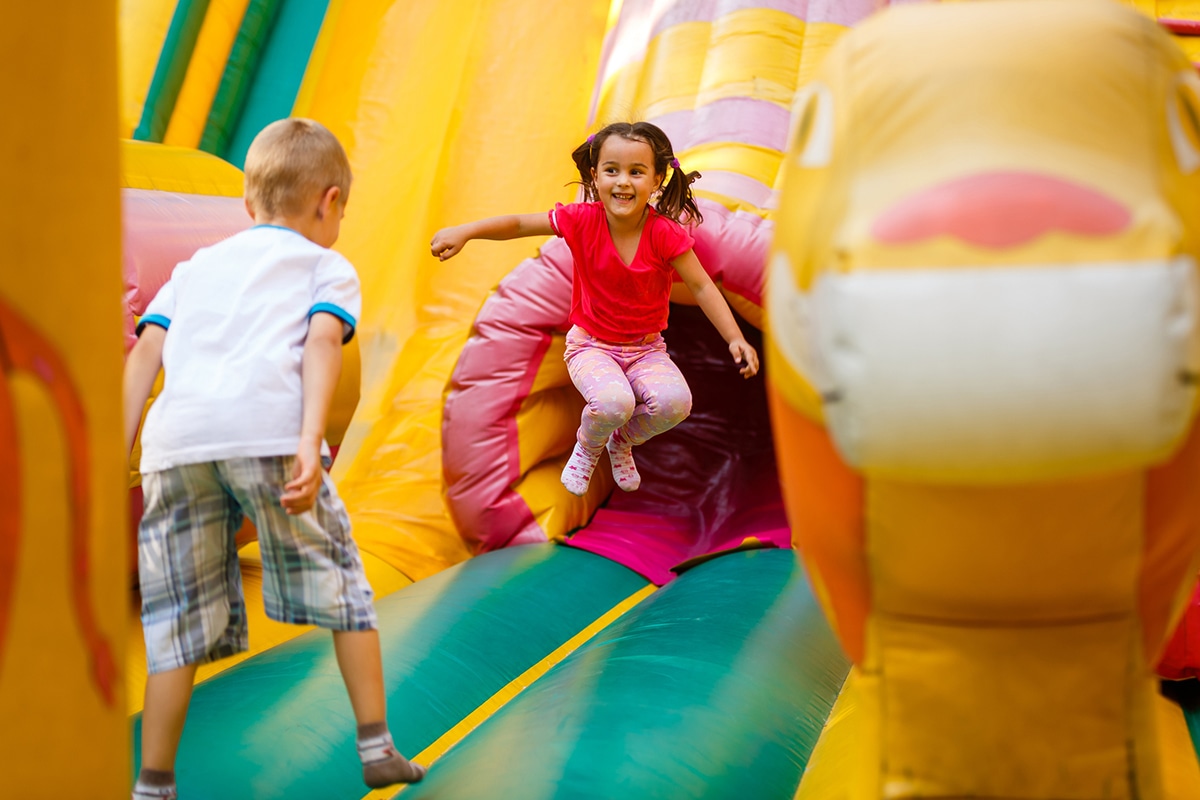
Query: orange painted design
(10, 506)
(23, 348)
(824, 500)
(1002, 209)
(1170, 546)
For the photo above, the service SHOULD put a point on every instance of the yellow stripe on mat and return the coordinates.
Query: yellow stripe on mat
(515, 687)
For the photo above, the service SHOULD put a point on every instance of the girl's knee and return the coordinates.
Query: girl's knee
(611, 409)
(675, 404)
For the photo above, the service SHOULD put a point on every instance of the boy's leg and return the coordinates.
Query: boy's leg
(192, 609)
(313, 575)
(167, 697)
(609, 404)
(361, 664)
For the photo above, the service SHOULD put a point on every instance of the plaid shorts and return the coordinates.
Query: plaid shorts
(193, 610)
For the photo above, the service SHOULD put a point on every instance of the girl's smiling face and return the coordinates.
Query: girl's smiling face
(625, 179)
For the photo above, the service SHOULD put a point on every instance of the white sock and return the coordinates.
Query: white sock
(577, 474)
(620, 454)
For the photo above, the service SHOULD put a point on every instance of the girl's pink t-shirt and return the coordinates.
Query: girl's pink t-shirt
(611, 300)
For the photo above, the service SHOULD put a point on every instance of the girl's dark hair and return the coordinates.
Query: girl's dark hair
(676, 201)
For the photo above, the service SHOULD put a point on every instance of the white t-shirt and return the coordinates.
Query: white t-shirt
(236, 316)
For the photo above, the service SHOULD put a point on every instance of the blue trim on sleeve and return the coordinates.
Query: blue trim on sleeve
(153, 319)
(340, 313)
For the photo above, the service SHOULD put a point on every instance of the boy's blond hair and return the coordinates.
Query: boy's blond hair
(290, 163)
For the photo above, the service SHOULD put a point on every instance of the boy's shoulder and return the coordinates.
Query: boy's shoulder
(260, 236)
(271, 239)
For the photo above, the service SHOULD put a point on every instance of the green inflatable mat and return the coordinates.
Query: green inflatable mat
(279, 724)
(716, 686)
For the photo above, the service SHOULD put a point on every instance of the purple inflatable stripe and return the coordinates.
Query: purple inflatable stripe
(678, 127)
(735, 185)
(838, 12)
(735, 119)
(640, 21)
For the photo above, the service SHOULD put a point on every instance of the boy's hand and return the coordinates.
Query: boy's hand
(300, 493)
(447, 242)
(746, 356)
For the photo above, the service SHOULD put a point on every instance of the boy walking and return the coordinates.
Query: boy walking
(249, 333)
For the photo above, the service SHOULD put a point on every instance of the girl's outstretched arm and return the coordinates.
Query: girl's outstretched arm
(713, 304)
(448, 241)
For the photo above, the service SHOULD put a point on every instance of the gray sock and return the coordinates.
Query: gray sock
(155, 784)
(382, 763)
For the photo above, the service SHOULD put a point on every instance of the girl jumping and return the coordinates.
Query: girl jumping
(624, 250)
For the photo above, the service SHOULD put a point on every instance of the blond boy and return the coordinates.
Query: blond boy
(249, 333)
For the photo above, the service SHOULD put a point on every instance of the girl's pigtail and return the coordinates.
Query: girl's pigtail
(677, 202)
(582, 156)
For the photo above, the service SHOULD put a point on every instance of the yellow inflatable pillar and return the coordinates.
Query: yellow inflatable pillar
(63, 589)
(983, 347)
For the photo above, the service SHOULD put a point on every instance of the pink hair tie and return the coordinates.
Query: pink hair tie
(674, 163)
(590, 137)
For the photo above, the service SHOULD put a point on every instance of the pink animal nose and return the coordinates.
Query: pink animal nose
(1001, 209)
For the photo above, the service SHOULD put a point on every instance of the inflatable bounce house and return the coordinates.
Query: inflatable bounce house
(935, 551)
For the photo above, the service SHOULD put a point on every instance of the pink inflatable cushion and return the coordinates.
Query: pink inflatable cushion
(160, 229)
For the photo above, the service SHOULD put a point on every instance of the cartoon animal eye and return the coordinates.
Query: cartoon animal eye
(811, 138)
(1183, 121)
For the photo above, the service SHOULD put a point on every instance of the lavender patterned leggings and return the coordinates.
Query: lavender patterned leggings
(633, 386)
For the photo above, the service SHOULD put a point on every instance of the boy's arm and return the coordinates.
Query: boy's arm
(319, 372)
(448, 241)
(712, 302)
(141, 370)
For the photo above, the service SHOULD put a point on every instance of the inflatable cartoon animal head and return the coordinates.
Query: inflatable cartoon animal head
(982, 269)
